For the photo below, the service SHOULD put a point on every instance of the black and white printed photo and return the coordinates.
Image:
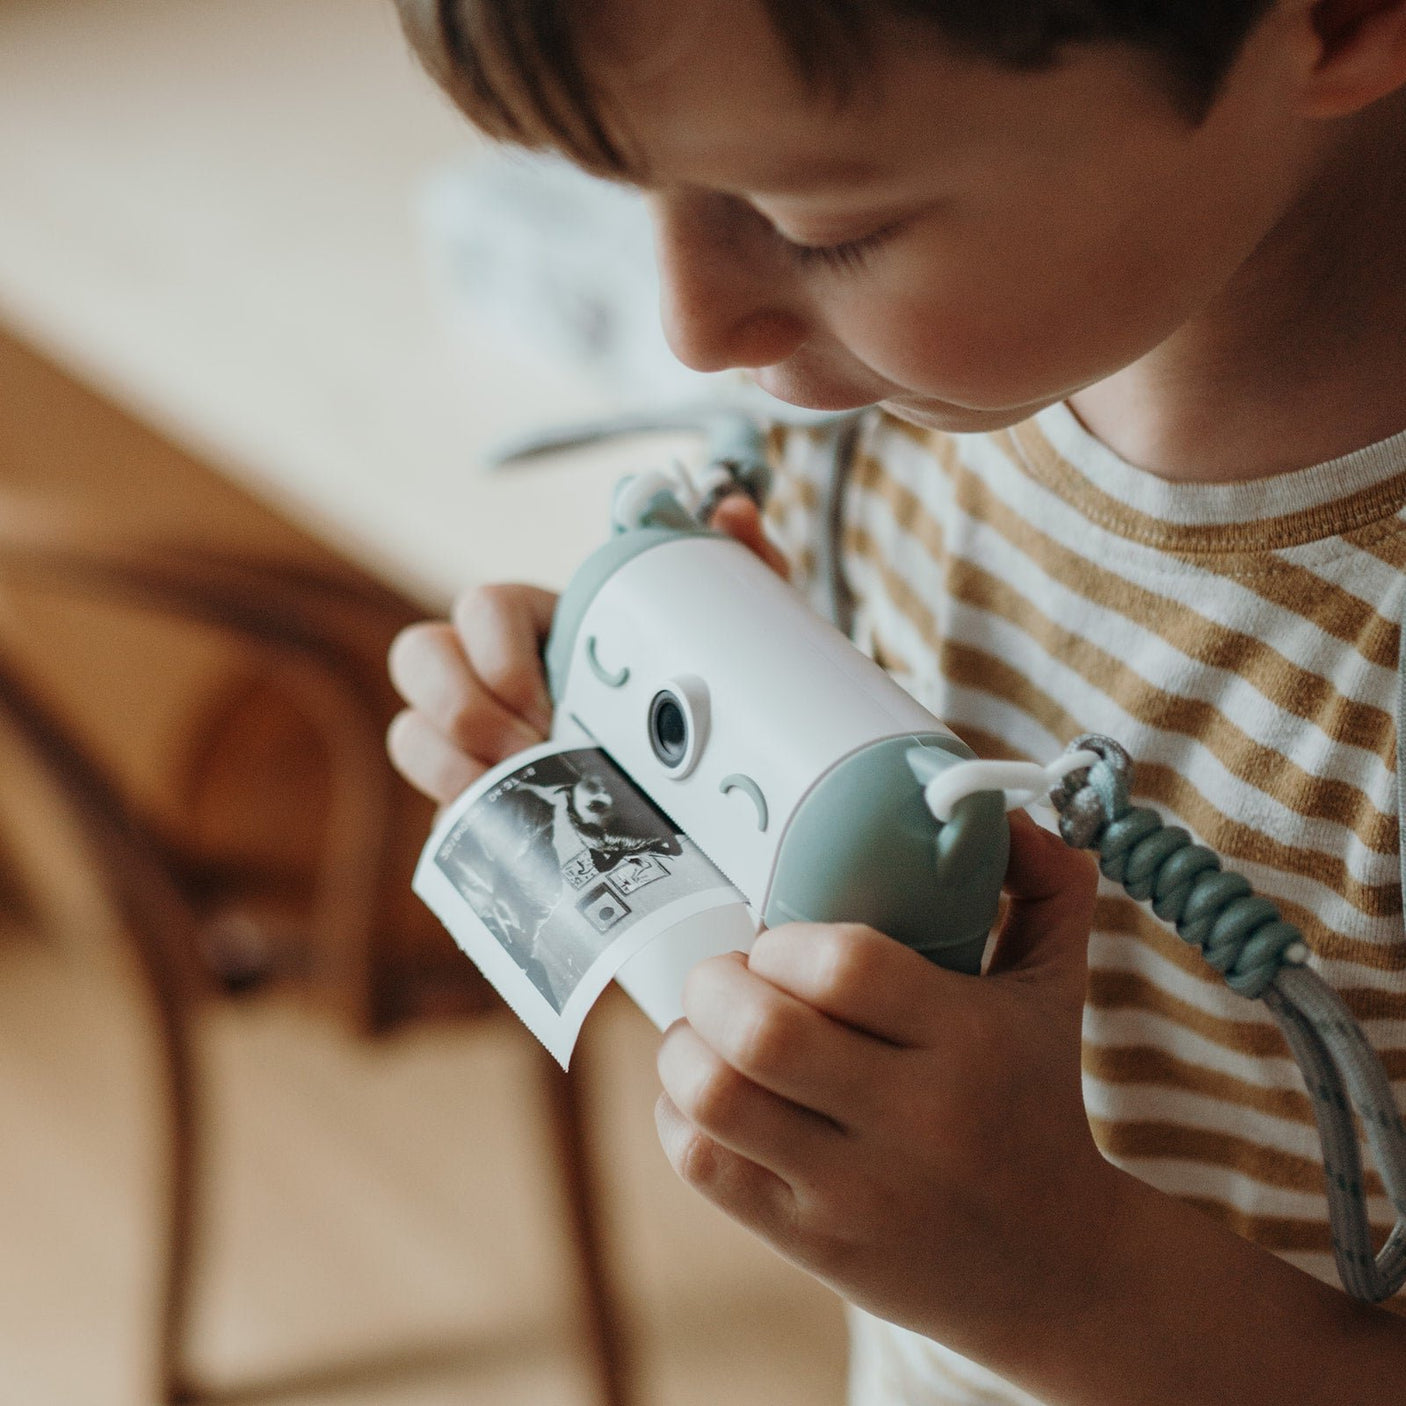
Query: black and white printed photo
(558, 858)
(555, 874)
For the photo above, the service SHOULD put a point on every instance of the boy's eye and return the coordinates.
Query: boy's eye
(847, 257)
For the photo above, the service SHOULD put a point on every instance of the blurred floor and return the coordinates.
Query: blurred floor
(367, 1200)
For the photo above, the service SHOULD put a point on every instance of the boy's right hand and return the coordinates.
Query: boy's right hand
(475, 684)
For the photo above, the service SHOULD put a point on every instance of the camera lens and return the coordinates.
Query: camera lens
(668, 728)
(678, 723)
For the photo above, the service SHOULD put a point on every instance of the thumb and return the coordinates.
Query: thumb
(739, 517)
(1051, 890)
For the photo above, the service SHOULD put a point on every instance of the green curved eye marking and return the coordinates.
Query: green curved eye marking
(617, 680)
(737, 782)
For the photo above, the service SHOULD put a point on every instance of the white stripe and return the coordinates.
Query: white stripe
(1122, 1028)
(1321, 1266)
(1241, 1193)
(1161, 1103)
(912, 1370)
(1212, 504)
(1206, 990)
(1343, 975)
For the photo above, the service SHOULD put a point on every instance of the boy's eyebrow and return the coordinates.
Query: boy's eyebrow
(805, 175)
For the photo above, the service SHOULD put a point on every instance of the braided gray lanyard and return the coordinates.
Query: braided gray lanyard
(1260, 955)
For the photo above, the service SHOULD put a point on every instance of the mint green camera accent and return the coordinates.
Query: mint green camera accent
(590, 576)
(863, 847)
(737, 782)
(618, 679)
(740, 443)
(662, 510)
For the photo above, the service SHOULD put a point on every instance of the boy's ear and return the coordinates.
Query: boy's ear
(1359, 51)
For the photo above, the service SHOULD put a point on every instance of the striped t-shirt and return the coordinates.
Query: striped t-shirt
(1241, 641)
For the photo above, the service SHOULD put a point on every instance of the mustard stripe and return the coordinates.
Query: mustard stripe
(1251, 761)
(794, 488)
(1176, 1142)
(1122, 916)
(1117, 989)
(1380, 501)
(1385, 542)
(1281, 1234)
(1124, 990)
(1152, 1069)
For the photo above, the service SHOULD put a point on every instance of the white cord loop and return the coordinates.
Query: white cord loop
(1022, 783)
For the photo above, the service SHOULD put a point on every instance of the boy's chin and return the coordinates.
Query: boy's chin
(958, 419)
(926, 412)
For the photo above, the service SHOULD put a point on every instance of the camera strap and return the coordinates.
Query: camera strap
(1239, 934)
(1260, 956)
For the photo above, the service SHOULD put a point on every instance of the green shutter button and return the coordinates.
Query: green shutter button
(600, 671)
(738, 782)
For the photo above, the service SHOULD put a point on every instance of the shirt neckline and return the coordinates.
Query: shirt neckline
(1291, 509)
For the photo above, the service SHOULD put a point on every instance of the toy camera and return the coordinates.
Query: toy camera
(790, 758)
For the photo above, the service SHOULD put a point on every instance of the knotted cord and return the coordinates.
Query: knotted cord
(1261, 956)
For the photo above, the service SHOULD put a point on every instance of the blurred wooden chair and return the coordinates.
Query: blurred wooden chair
(318, 639)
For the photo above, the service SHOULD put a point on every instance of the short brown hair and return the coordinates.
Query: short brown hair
(514, 66)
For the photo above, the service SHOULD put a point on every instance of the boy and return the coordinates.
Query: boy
(1128, 281)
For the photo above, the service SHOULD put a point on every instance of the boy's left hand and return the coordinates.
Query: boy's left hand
(914, 1137)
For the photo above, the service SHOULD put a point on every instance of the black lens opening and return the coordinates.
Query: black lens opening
(668, 729)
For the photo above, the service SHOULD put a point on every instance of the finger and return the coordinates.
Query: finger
(1052, 891)
(430, 670)
(428, 760)
(783, 1044)
(503, 629)
(749, 1193)
(741, 519)
(738, 1114)
(860, 977)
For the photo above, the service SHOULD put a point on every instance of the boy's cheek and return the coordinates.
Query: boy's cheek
(979, 368)
(992, 339)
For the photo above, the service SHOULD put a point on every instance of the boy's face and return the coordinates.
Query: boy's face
(962, 242)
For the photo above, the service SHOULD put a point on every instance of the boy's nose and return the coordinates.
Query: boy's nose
(725, 293)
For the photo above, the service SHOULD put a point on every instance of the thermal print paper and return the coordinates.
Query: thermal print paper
(553, 871)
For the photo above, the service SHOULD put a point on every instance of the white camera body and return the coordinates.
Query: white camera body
(778, 747)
